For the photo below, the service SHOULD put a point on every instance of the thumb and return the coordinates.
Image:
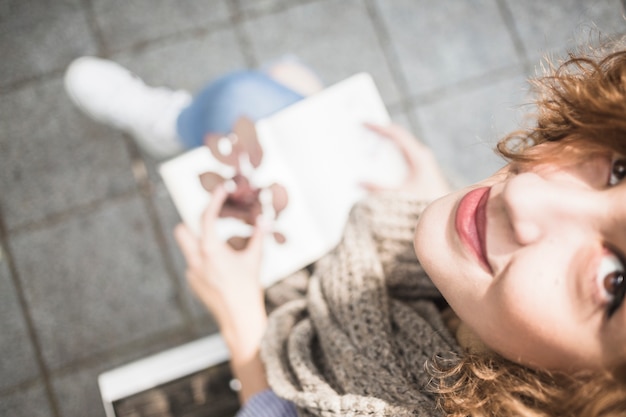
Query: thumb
(261, 228)
(373, 188)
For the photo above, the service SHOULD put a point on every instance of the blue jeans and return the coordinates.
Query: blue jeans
(216, 108)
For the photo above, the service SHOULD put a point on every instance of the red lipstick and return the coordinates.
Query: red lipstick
(471, 223)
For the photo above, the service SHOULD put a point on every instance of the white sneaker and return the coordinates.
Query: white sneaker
(110, 94)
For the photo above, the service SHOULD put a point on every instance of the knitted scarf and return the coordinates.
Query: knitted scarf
(356, 334)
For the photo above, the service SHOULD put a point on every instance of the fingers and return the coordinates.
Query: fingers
(218, 196)
(371, 187)
(189, 244)
(384, 130)
(196, 283)
(407, 143)
(410, 146)
(391, 131)
(255, 242)
(404, 139)
(209, 247)
(210, 214)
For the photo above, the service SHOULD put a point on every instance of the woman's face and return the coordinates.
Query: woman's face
(532, 260)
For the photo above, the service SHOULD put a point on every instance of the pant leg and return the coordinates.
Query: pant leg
(243, 93)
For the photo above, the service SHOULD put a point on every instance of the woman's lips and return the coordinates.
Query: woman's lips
(471, 223)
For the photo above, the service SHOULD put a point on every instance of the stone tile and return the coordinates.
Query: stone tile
(38, 36)
(446, 42)
(335, 37)
(463, 129)
(124, 23)
(247, 6)
(29, 402)
(17, 363)
(77, 391)
(95, 282)
(188, 64)
(78, 394)
(53, 158)
(553, 27)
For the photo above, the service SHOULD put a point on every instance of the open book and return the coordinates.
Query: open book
(320, 152)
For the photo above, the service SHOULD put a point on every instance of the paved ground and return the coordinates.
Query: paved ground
(89, 275)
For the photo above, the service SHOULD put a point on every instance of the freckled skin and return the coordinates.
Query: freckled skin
(543, 302)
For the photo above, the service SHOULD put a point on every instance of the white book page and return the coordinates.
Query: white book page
(320, 152)
(303, 243)
(330, 152)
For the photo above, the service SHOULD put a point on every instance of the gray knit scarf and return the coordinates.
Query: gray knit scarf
(353, 338)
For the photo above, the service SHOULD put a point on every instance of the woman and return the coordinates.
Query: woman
(530, 261)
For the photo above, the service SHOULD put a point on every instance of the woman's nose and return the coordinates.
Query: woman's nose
(537, 205)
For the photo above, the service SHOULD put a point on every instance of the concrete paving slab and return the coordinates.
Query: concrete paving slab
(251, 7)
(186, 63)
(125, 23)
(77, 390)
(27, 402)
(462, 130)
(95, 282)
(259, 6)
(442, 43)
(52, 158)
(38, 36)
(554, 27)
(17, 363)
(335, 37)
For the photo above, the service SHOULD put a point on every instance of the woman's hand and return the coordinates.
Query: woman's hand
(425, 178)
(227, 282)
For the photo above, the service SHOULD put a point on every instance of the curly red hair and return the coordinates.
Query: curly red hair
(581, 107)
(581, 104)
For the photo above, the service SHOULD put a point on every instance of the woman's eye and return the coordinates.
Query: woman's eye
(612, 282)
(618, 170)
